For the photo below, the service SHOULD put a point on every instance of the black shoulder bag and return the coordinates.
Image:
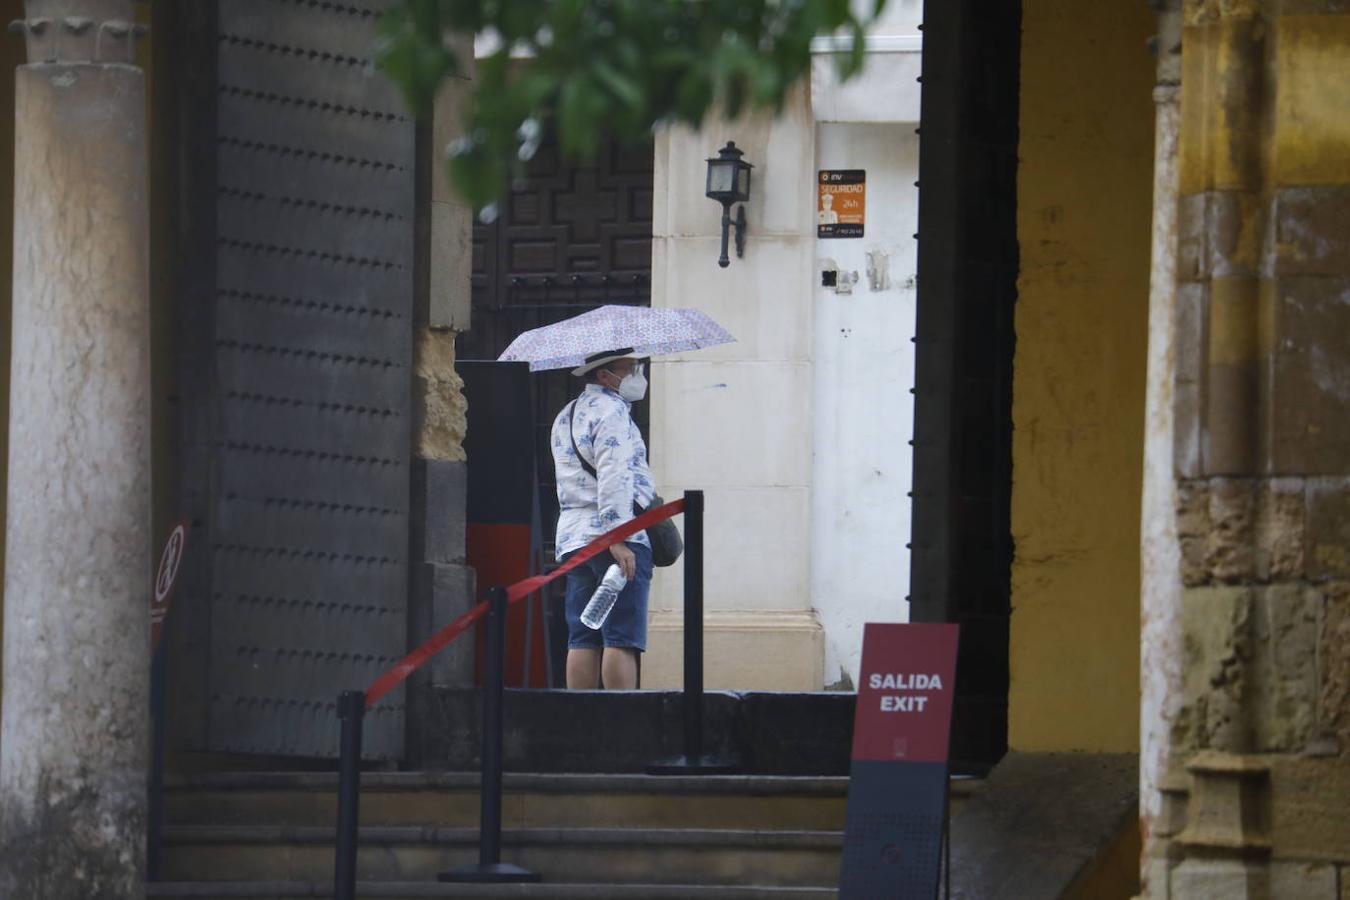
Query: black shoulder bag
(667, 545)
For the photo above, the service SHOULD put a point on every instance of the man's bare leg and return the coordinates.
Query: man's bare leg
(620, 669)
(583, 669)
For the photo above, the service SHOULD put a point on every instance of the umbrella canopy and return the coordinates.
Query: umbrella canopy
(649, 332)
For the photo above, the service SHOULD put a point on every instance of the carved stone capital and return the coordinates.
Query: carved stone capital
(79, 31)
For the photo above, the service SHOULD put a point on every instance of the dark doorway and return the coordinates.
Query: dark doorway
(571, 237)
(962, 546)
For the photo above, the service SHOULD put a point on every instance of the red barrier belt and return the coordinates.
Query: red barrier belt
(518, 591)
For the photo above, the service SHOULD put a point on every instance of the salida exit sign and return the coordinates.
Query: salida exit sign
(905, 699)
(897, 795)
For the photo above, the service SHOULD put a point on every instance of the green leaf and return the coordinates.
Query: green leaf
(628, 91)
(603, 68)
(415, 64)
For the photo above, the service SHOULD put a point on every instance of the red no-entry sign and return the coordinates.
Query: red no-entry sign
(165, 577)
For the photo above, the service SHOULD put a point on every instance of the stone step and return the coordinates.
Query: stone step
(414, 890)
(561, 855)
(529, 800)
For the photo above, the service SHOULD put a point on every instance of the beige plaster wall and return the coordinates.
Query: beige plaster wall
(864, 413)
(735, 420)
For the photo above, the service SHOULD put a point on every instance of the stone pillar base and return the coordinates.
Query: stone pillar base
(750, 650)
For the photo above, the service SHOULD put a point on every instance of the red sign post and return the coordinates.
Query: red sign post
(897, 798)
(170, 562)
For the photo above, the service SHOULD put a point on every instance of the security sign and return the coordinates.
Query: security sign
(841, 203)
(169, 563)
(897, 793)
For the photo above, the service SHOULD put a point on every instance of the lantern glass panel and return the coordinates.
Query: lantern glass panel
(743, 183)
(721, 179)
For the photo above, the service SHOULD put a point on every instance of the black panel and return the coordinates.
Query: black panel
(499, 442)
(967, 287)
(305, 325)
(184, 130)
(893, 830)
(773, 733)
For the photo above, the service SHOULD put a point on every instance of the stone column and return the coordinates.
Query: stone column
(73, 740)
(1260, 740)
(443, 585)
(1209, 846)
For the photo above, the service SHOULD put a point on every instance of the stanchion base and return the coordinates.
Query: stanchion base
(694, 765)
(485, 874)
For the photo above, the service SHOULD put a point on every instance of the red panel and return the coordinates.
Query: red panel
(500, 554)
(905, 693)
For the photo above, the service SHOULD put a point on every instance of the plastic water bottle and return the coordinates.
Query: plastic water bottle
(602, 601)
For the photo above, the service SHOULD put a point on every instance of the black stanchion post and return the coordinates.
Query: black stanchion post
(693, 762)
(693, 625)
(155, 813)
(351, 714)
(490, 868)
(947, 842)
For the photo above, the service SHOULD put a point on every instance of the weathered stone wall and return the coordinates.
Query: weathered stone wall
(438, 392)
(1160, 666)
(1260, 747)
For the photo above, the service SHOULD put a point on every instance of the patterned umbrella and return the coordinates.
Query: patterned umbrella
(566, 344)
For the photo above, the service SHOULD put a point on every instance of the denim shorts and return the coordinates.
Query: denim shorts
(627, 622)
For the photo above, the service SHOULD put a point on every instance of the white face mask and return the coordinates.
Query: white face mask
(634, 386)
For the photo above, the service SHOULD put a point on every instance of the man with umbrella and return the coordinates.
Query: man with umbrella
(601, 464)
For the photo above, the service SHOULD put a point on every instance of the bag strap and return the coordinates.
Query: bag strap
(571, 432)
(638, 509)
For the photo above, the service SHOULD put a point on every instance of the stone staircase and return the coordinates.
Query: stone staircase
(1038, 827)
(589, 836)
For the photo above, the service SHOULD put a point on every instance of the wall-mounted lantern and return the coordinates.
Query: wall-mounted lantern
(728, 183)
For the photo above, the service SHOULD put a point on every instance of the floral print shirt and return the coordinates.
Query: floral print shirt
(609, 440)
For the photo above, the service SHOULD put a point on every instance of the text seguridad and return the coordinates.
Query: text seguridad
(904, 681)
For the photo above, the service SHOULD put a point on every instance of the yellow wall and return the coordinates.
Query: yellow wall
(1084, 207)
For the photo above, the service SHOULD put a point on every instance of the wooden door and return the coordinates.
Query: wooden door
(297, 387)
